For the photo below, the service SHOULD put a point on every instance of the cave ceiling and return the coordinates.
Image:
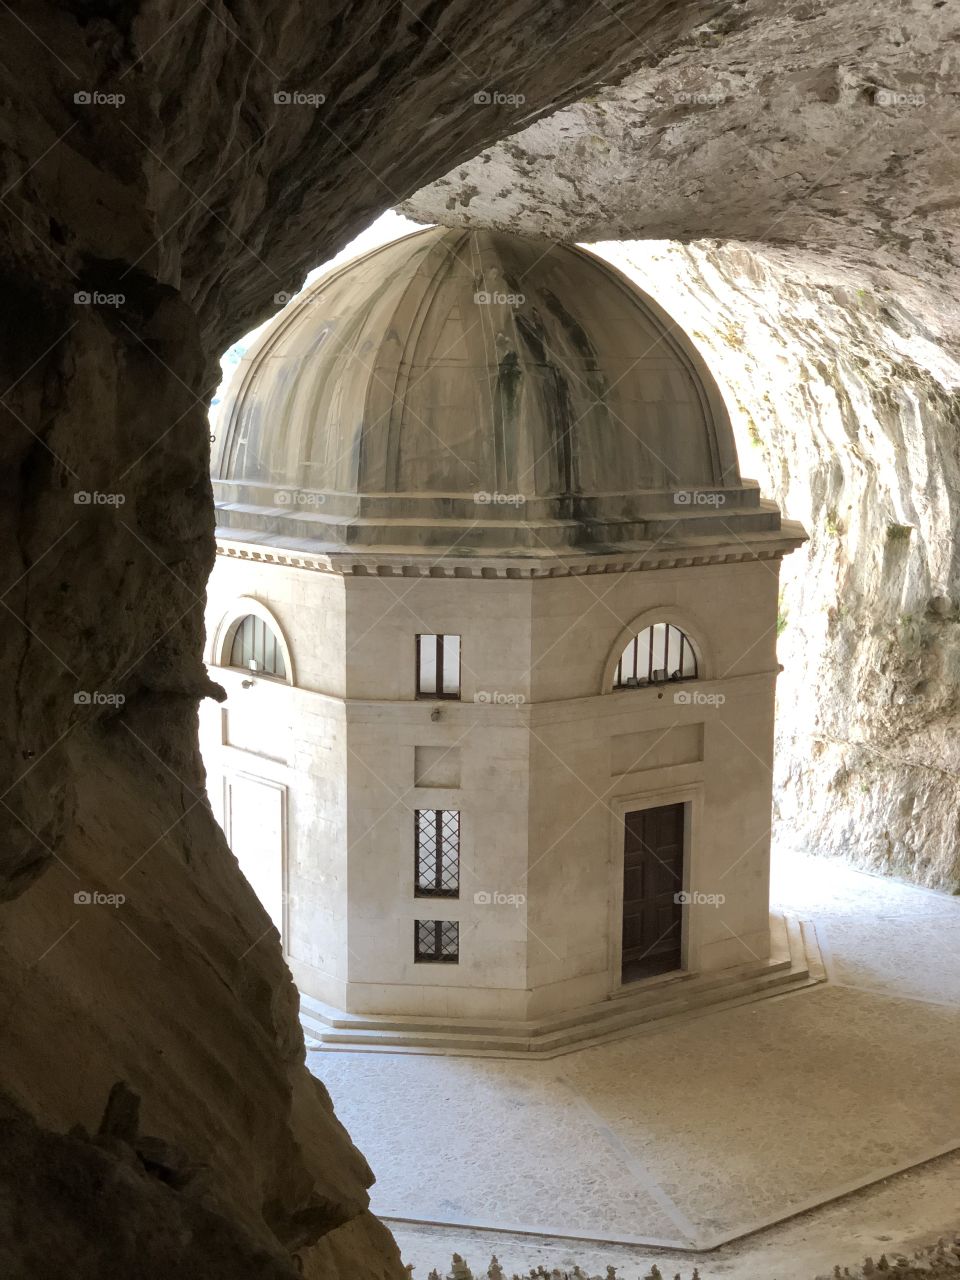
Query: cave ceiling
(827, 132)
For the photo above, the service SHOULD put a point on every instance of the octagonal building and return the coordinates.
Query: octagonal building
(496, 617)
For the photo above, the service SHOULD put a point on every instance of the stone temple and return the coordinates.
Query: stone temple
(496, 746)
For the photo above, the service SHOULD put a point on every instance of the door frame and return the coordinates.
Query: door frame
(691, 797)
(233, 776)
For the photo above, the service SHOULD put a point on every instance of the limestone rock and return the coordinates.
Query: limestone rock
(846, 412)
(815, 126)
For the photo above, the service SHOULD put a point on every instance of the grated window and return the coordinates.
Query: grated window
(658, 654)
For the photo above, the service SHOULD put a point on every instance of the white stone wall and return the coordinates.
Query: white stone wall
(293, 736)
(715, 756)
(489, 751)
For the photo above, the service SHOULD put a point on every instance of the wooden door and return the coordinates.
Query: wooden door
(652, 877)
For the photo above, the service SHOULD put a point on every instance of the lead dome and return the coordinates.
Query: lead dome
(476, 391)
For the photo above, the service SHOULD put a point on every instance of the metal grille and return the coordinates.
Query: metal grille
(437, 940)
(438, 666)
(255, 648)
(658, 654)
(437, 838)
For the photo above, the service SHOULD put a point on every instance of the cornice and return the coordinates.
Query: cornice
(385, 565)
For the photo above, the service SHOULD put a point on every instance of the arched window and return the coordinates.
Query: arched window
(256, 648)
(658, 654)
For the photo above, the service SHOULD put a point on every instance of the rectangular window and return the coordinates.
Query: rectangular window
(437, 838)
(436, 940)
(438, 666)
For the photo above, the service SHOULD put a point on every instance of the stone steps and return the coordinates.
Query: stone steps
(794, 964)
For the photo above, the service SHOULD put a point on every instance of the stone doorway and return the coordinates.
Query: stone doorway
(653, 842)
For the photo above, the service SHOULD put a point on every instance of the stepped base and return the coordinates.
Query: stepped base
(794, 964)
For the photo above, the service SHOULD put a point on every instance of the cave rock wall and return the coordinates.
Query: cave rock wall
(847, 410)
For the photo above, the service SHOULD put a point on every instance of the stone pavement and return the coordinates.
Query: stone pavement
(692, 1135)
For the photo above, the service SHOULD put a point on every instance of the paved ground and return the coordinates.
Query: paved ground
(695, 1135)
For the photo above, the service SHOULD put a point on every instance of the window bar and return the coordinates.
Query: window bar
(429, 940)
(438, 845)
(650, 657)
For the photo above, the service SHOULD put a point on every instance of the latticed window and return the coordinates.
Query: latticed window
(437, 940)
(438, 853)
(256, 648)
(438, 666)
(659, 653)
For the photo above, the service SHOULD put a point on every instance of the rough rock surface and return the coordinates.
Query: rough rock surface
(848, 414)
(829, 127)
(166, 168)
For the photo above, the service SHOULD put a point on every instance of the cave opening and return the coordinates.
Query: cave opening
(784, 179)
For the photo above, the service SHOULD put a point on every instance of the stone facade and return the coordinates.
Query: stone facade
(540, 757)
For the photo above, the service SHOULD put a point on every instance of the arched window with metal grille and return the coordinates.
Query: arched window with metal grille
(256, 648)
(658, 654)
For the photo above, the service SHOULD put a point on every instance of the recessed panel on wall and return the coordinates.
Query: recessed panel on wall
(436, 767)
(656, 749)
(257, 725)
